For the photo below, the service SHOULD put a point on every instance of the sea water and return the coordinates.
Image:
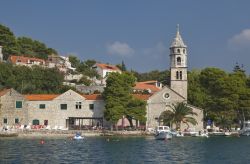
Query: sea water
(126, 150)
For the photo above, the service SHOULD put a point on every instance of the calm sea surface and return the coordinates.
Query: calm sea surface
(126, 150)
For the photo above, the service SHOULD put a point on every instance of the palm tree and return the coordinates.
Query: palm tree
(167, 117)
(181, 113)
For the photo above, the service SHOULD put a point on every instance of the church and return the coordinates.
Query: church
(177, 91)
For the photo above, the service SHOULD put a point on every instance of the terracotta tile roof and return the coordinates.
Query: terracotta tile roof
(40, 97)
(93, 97)
(142, 96)
(149, 82)
(107, 66)
(22, 59)
(4, 91)
(49, 97)
(146, 86)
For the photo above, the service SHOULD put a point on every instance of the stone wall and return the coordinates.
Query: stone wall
(8, 108)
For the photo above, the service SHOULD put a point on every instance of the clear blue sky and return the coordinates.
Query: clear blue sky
(139, 32)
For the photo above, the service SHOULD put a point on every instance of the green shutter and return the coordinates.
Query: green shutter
(19, 104)
(16, 120)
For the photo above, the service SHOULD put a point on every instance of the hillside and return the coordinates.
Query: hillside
(13, 45)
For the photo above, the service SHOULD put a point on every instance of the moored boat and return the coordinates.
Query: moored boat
(78, 136)
(163, 133)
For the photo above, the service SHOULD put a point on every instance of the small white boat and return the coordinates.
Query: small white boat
(78, 136)
(163, 133)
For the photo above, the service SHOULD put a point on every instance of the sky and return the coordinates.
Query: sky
(138, 32)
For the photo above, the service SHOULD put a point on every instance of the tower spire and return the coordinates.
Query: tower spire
(177, 29)
(178, 42)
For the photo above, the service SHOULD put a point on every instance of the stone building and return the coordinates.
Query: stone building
(26, 61)
(67, 110)
(104, 69)
(13, 108)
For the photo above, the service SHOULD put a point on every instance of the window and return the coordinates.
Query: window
(63, 106)
(5, 121)
(184, 51)
(178, 60)
(91, 106)
(177, 75)
(42, 106)
(181, 75)
(35, 122)
(78, 105)
(19, 104)
(16, 120)
(46, 122)
(166, 95)
(178, 50)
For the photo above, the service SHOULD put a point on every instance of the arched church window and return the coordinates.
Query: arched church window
(177, 75)
(178, 50)
(181, 75)
(184, 51)
(178, 60)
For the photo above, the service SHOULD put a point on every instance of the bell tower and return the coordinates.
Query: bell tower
(178, 65)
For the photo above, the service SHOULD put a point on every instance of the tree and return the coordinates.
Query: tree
(122, 66)
(161, 76)
(196, 94)
(167, 117)
(22, 45)
(136, 109)
(86, 68)
(181, 113)
(75, 62)
(8, 41)
(119, 100)
(31, 80)
(85, 81)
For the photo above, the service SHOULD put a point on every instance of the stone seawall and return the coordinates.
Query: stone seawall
(71, 133)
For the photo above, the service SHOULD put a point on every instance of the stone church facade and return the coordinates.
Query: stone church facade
(177, 92)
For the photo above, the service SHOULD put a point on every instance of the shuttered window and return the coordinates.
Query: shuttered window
(19, 104)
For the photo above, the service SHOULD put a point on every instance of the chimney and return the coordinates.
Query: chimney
(1, 54)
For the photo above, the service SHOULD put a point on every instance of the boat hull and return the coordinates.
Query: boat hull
(163, 136)
(78, 138)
